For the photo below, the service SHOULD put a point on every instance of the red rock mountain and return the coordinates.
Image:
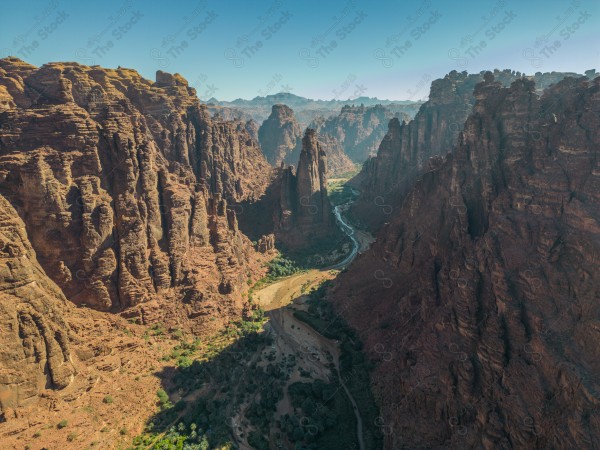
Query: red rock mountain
(295, 207)
(338, 163)
(403, 153)
(35, 351)
(124, 185)
(358, 129)
(279, 135)
(304, 212)
(478, 302)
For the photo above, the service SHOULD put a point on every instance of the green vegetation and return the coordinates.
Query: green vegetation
(258, 441)
(163, 399)
(278, 268)
(354, 367)
(351, 173)
(217, 367)
(183, 353)
(318, 253)
(281, 267)
(339, 192)
(188, 437)
(324, 417)
(177, 333)
(157, 329)
(107, 399)
(71, 437)
(236, 370)
(62, 424)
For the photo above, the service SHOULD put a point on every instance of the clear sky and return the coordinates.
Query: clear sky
(390, 49)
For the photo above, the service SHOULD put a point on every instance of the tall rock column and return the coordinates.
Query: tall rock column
(279, 135)
(314, 208)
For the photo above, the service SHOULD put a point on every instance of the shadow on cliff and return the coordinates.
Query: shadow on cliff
(257, 218)
(198, 397)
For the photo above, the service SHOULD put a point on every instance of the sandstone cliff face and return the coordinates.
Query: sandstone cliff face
(311, 183)
(279, 135)
(358, 129)
(478, 302)
(304, 211)
(124, 185)
(404, 151)
(338, 163)
(35, 352)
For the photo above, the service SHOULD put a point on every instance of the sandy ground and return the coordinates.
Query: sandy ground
(281, 293)
(111, 398)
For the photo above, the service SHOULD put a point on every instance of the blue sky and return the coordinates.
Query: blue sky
(318, 49)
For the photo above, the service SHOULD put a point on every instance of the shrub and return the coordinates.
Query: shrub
(62, 424)
(282, 267)
(107, 399)
(163, 398)
(71, 437)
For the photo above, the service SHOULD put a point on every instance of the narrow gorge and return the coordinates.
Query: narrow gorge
(281, 231)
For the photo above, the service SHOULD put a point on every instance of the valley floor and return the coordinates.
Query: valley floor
(125, 365)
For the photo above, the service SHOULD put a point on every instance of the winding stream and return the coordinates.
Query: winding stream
(283, 323)
(349, 231)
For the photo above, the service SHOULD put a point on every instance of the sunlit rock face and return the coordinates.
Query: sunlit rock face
(404, 153)
(280, 135)
(35, 353)
(125, 187)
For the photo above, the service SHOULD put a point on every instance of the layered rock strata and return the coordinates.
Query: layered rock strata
(35, 352)
(127, 187)
(478, 302)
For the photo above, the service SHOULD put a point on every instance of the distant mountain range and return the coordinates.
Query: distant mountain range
(294, 101)
(306, 109)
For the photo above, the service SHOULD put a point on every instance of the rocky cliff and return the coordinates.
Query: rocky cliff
(404, 151)
(295, 207)
(35, 352)
(478, 302)
(279, 135)
(307, 110)
(124, 185)
(338, 163)
(304, 212)
(358, 129)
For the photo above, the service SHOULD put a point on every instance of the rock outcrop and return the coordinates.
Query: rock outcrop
(478, 303)
(358, 129)
(280, 135)
(124, 186)
(338, 162)
(35, 352)
(304, 211)
(404, 152)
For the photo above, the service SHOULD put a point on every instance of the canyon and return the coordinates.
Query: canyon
(223, 276)
(128, 191)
